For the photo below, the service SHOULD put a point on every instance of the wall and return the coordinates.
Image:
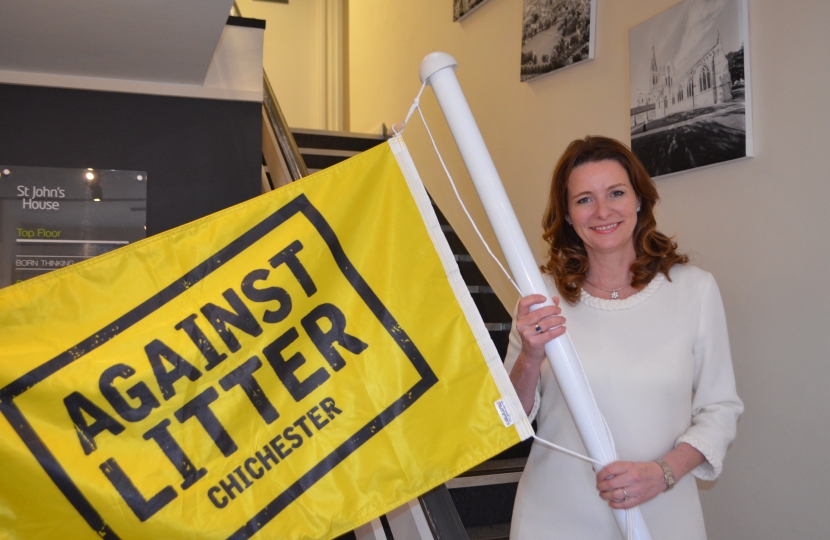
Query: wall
(303, 59)
(758, 224)
(294, 57)
(200, 155)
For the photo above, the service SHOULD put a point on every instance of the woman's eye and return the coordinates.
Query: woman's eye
(583, 200)
(617, 193)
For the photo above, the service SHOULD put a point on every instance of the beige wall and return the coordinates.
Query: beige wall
(759, 225)
(304, 57)
(294, 57)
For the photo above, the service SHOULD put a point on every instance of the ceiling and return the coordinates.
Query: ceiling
(170, 41)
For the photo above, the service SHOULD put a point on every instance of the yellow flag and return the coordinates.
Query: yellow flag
(291, 367)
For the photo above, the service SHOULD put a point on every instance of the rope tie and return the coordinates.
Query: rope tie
(398, 128)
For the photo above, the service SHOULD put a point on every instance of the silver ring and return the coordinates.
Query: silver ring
(625, 495)
(538, 329)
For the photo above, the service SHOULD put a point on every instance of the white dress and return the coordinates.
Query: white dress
(660, 368)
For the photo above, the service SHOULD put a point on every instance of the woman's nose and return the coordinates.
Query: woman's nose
(603, 208)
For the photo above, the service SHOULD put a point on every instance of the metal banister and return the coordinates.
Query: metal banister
(288, 146)
(442, 517)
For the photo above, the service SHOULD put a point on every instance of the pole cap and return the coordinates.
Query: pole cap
(434, 62)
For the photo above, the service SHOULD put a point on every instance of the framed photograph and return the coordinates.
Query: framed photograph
(556, 34)
(462, 8)
(690, 86)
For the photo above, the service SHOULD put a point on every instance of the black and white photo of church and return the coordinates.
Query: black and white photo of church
(689, 86)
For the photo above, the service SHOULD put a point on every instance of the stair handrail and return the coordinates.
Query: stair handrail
(288, 146)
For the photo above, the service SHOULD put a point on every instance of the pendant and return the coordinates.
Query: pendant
(614, 294)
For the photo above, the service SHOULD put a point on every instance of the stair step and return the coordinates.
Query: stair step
(491, 308)
(497, 465)
(491, 472)
(490, 532)
(501, 339)
(519, 450)
(485, 506)
(452, 239)
(328, 152)
(321, 161)
(470, 272)
(480, 289)
(484, 480)
(336, 140)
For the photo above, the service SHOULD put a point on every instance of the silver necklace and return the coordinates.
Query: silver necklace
(614, 293)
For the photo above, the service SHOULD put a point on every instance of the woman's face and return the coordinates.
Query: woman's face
(603, 207)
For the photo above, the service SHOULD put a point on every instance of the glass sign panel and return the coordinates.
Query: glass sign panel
(51, 218)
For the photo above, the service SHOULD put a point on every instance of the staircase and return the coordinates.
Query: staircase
(483, 496)
(322, 149)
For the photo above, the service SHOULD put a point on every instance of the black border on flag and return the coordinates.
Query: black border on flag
(298, 205)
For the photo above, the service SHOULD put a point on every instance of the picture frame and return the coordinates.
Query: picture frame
(690, 91)
(556, 34)
(462, 8)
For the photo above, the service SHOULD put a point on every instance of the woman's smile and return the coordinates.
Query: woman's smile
(602, 206)
(606, 228)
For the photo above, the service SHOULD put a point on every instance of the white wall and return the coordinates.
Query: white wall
(759, 225)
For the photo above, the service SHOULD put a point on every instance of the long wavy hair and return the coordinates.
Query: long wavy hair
(568, 260)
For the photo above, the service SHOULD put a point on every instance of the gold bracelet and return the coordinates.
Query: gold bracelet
(668, 476)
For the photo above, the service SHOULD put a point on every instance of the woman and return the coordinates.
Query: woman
(651, 334)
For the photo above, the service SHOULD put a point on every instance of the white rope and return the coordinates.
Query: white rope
(398, 129)
(549, 444)
(463, 207)
(629, 515)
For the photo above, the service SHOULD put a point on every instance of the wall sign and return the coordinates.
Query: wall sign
(51, 218)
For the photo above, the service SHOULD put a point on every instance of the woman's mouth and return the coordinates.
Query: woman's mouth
(605, 228)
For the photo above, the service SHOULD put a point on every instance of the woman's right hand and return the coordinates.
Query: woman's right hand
(538, 327)
(535, 328)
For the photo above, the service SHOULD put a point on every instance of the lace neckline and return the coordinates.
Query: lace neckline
(627, 303)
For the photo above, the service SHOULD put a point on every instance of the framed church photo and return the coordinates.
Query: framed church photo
(690, 86)
(556, 34)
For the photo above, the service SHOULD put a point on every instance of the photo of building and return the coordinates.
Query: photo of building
(688, 89)
(670, 93)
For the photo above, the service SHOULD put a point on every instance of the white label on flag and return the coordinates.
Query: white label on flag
(504, 413)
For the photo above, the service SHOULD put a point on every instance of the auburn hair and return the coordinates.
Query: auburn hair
(568, 259)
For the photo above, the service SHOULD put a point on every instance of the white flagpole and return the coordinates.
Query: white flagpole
(438, 70)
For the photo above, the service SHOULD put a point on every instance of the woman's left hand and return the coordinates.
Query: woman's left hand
(626, 484)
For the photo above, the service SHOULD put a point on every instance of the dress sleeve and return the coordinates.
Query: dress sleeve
(715, 405)
(514, 347)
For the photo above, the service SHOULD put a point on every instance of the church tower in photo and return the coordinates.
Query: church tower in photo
(655, 71)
